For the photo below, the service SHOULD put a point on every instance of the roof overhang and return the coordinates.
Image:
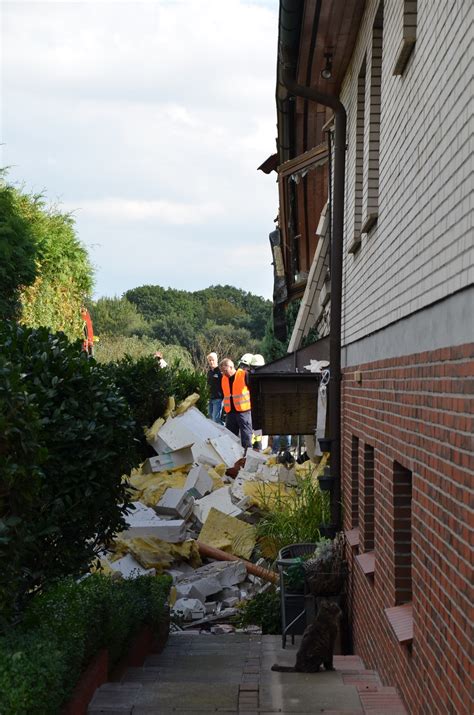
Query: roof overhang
(307, 31)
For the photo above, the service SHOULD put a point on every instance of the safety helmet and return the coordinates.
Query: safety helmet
(246, 359)
(257, 360)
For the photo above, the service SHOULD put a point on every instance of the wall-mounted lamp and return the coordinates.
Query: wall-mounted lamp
(326, 72)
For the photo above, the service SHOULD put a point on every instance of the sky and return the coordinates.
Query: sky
(148, 119)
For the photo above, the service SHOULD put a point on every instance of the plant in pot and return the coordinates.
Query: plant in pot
(324, 444)
(325, 479)
(326, 570)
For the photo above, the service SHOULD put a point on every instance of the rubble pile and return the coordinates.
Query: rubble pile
(186, 507)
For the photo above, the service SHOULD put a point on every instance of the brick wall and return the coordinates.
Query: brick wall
(416, 412)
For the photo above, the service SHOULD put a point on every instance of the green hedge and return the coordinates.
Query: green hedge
(146, 387)
(42, 658)
(66, 439)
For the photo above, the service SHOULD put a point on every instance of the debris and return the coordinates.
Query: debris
(143, 521)
(189, 609)
(175, 502)
(219, 499)
(199, 480)
(154, 553)
(228, 533)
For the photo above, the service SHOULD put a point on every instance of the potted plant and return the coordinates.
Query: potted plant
(325, 444)
(326, 570)
(325, 479)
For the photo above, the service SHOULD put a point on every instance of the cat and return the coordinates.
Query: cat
(317, 645)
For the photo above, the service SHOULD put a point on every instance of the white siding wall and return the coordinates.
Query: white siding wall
(422, 248)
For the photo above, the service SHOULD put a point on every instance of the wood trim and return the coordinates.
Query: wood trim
(317, 155)
(401, 621)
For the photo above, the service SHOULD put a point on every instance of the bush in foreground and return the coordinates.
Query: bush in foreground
(41, 659)
(66, 438)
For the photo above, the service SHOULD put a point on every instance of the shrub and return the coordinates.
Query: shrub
(146, 387)
(111, 348)
(296, 519)
(41, 660)
(264, 610)
(65, 440)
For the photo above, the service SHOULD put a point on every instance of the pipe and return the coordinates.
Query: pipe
(288, 71)
(212, 553)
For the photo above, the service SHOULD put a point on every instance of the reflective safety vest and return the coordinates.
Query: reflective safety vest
(240, 392)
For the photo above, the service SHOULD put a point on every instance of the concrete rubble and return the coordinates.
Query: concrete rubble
(181, 498)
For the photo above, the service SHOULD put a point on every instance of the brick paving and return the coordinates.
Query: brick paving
(230, 673)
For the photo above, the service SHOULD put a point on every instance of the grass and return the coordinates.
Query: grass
(295, 517)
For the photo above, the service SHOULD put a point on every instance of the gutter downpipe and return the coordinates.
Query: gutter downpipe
(288, 71)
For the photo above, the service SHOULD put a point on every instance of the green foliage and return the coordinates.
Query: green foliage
(146, 387)
(264, 610)
(66, 438)
(220, 318)
(114, 348)
(272, 348)
(42, 659)
(18, 251)
(64, 271)
(117, 316)
(296, 519)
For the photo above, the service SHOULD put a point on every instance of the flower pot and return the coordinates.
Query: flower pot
(328, 531)
(325, 483)
(324, 444)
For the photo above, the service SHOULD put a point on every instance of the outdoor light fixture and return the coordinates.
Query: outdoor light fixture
(326, 72)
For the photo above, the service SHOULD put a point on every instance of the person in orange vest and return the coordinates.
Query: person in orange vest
(237, 407)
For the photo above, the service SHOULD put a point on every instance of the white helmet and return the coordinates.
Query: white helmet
(246, 359)
(257, 360)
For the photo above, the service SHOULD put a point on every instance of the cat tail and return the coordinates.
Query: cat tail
(283, 668)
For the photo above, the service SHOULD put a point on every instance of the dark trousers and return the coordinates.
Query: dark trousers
(240, 422)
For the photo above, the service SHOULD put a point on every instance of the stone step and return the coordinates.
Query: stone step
(114, 698)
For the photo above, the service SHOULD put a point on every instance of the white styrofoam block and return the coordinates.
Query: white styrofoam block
(198, 585)
(204, 453)
(227, 573)
(189, 608)
(129, 567)
(186, 429)
(199, 479)
(175, 501)
(228, 448)
(219, 499)
(253, 460)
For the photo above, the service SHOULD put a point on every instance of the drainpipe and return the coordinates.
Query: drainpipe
(287, 77)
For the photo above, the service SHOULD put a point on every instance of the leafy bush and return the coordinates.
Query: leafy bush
(112, 348)
(18, 251)
(263, 610)
(146, 387)
(66, 438)
(296, 519)
(42, 659)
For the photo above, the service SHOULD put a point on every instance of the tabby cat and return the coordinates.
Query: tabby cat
(317, 645)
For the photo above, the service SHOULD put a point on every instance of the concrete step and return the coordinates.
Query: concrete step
(211, 673)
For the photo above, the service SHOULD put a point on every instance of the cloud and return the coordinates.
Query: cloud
(165, 212)
(151, 117)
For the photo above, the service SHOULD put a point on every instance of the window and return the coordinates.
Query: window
(366, 506)
(359, 159)
(370, 198)
(354, 482)
(410, 16)
(402, 496)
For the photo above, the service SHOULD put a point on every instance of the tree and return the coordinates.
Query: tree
(64, 272)
(117, 316)
(18, 251)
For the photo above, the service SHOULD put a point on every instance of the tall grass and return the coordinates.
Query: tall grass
(293, 517)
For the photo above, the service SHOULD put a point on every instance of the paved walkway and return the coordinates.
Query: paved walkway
(202, 673)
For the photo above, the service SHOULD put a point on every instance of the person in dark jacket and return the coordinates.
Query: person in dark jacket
(216, 395)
